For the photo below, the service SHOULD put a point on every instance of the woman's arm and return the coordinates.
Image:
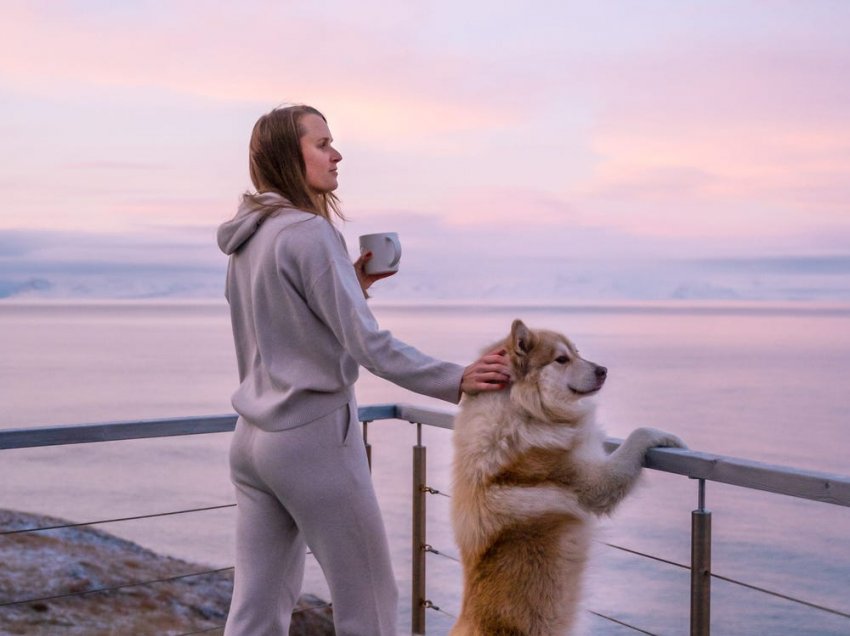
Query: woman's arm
(491, 372)
(335, 294)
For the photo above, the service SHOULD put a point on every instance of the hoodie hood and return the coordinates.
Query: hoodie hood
(252, 212)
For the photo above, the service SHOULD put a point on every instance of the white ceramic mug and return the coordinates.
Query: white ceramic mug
(386, 252)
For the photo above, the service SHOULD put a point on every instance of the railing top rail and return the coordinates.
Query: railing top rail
(806, 484)
(783, 480)
(64, 434)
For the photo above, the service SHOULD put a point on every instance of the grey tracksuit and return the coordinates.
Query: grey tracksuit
(302, 329)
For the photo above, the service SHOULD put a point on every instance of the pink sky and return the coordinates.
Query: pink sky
(667, 128)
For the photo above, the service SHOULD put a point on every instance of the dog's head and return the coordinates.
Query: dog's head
(550, 376)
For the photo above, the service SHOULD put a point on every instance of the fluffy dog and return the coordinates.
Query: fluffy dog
(530, 475)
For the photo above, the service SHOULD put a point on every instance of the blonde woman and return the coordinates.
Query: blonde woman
(302, 329)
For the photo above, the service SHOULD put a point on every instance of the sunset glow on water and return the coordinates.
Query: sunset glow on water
(728, 379)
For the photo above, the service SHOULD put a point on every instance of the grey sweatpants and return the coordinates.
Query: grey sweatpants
(308, 487)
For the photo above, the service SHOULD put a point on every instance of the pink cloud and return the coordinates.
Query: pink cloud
(504, 206)
(653, 128)
(718, 139)
(111, 165)
(378, 84)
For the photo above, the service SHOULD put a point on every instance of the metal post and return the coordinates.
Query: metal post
(367, 444)
(417, 622)
(701, 567)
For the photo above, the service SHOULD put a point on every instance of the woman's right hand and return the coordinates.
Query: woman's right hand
(366, 280)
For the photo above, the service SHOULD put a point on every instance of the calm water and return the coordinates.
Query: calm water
(762, 382)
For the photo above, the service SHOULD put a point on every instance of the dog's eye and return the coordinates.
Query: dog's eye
(562, 359)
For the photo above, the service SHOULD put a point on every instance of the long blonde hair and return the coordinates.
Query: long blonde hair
(277, 165)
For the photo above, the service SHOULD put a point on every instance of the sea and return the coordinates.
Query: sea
(762, 381)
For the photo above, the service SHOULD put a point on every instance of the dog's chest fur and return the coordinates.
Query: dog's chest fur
(537, 466)
(498, 445)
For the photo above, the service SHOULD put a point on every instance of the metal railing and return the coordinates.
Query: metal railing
(703, 467)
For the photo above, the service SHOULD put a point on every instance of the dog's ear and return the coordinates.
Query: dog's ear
(520, 343)
(522, 340)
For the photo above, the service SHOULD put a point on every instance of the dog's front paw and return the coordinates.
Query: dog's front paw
(655, 437)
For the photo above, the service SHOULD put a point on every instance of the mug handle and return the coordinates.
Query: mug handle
(396, 250)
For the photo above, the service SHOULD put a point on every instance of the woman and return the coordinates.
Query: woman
(302, 328)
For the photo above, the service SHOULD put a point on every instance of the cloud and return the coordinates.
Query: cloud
(726, 126)
(504, 207)
(710, 128)
(120, 166)
(254, 55)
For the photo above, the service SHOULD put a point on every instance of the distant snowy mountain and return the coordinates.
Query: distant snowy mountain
(61, 266)
(557, 283)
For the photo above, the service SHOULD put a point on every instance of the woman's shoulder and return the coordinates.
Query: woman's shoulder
(298, 232)
(295, 225)
(286, 217)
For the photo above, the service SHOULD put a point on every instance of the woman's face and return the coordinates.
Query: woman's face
(320, 157)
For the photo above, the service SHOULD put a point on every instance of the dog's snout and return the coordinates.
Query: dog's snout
(601, 373)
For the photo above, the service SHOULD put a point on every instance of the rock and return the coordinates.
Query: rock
(55, 569)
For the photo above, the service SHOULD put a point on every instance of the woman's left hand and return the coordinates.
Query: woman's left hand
(365, 279)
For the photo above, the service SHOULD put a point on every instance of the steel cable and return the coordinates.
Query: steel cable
(434, 491)
(622, 623)
(430, 605)
(104, 521)
(429, 548)
(646, 556)
(727, 579)
(99, 590)
(720, 577)
(785, 597)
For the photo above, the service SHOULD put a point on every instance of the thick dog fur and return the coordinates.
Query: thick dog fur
(530, 475)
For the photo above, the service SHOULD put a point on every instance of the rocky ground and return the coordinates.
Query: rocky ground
(51, 571)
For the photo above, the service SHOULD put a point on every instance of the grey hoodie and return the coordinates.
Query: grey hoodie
(301, 324)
